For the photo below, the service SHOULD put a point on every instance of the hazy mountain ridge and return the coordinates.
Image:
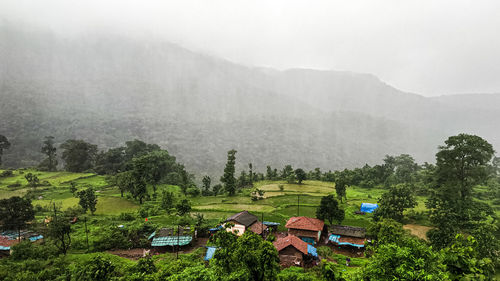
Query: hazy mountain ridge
(108, 89)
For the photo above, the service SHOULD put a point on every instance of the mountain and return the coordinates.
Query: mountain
(107, 89)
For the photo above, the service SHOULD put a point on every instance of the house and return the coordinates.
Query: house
(348, 236)
(171, 237)
(10, 238)
(244, 221)
(293, 251)
(308, 229)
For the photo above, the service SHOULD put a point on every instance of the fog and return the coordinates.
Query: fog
(330, 85)
(426, 47)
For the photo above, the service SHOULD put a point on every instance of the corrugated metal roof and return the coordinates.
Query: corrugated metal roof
(171, 241)
(244, 218)
(270, 223)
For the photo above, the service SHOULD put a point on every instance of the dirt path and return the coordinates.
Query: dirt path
(418, 230)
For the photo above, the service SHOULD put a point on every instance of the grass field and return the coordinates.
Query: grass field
(278, 204)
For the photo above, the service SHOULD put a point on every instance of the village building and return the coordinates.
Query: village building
(244, 221)
(10, 238)
(308, 229)
(347, 236)
(171, 237)
(293, 251)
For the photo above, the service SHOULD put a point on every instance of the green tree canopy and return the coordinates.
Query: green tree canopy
(78, 155)
(228, 178)
(394, 202)
(330, 210)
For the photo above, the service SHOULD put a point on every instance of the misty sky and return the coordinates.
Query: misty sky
(430, 47)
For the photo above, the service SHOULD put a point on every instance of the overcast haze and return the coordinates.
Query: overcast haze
(425, 47)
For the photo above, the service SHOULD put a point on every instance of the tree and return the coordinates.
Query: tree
(4, 144)
(300, 175)
(216, 189)
(111, 162)
(15, 212)
(60, 232)
(124, 181)
(461, 163)
(78, 155)
(167, 200)
(228, 177)
(88, 200)
(154, 166)
(250, 174)
(393, 203)
(206, 185)
(49, 149)
(96, 269)
(329, 210)
(340, 186)
(32, 180)
(184, 207)
(137, 148)
(286, 172)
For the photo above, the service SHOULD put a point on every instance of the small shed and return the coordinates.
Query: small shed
(350, 236)
(368, 207)
(293, 251)
(170, 237)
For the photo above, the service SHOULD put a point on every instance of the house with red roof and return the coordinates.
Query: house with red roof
(293, 251)
(308, 229)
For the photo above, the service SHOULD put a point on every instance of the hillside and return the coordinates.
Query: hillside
(107, 89)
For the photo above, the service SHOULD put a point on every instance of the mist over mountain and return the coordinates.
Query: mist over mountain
(107, 89)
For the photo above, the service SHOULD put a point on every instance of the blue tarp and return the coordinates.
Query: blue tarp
(308, 240)
(210, 253)
(311, 251)
(152, 235)
(216, 228)
(368, 207)
(35, 238)
(3, 248)
(335, 238)
(270, 223)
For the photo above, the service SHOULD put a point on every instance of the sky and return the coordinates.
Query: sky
(429, 47)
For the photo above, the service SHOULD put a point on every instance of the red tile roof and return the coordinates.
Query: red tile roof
(6, 242)
(293, 241)
(305, 223)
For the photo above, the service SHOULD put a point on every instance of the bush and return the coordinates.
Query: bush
(16, 184)
(6, 173)
(111, 237)
(28, 250)
(126, 217)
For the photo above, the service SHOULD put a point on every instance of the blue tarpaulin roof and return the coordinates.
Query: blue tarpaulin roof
(216, 228)
(311, 251)
(335, 238)
(210, 253)
(368, 207)
(308, 240)
(152, 235)
(35, 238)
(171, 241)
(270, 223)
(3, 248)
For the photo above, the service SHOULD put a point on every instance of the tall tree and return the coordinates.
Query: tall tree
(330, 210)
(154, 166)
(50, 150)
(340, 186)
(461, 163)
(4, 144)
(88, 200)
(78, 155)
(300, 175)
(137, 148)
(206, 185)
(393, 203)
(167, 200)
(124, 181)
(216, 189)
(228, 178)
(15, 212)
(184, 207)
(250, 174)
(60, 232)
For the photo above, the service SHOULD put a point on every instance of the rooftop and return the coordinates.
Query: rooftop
(305, 223)
(293, 241)
(244, 218)
(346, 230)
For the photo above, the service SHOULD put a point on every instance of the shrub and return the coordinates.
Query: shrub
(28, 250)
(6, 173)
(126, 217)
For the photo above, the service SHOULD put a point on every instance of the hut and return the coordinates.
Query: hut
(293, 251)
(244, 221)
(181, 236)
(308, 229)
(349, 236)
